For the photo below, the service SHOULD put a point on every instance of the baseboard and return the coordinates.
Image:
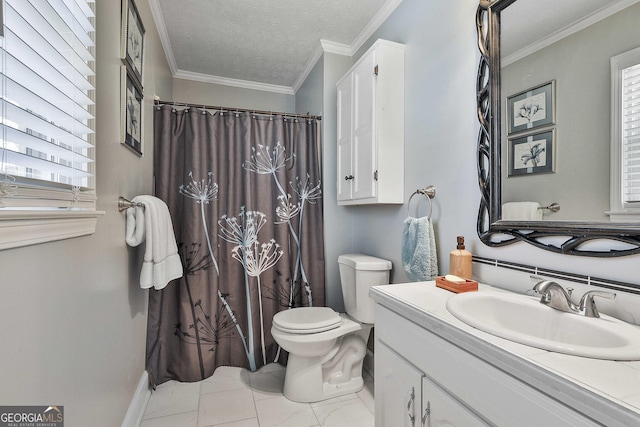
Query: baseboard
(138, 404)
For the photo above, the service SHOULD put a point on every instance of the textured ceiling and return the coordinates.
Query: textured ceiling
(262, 41)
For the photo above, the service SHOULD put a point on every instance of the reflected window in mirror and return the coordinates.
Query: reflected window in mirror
(625, 137)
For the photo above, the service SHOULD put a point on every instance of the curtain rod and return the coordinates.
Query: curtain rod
(232, 109)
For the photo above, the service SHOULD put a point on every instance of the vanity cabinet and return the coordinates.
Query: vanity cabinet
(408, 398)
(371, 128)
(457, 387)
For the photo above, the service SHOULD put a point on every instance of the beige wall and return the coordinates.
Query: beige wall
(195, 92)
(72, 317)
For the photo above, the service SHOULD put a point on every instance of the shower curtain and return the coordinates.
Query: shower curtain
(244, 192)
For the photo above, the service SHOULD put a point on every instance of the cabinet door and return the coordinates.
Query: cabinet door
(397, 390)
(345, 108)
(364, 147)
(442, 410)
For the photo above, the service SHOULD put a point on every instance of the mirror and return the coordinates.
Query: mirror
(544, 106)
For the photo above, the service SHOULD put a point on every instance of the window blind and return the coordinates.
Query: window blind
(47, 126)
(631, 134)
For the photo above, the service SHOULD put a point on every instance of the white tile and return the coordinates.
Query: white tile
(268, 382)
(169, 383)
(366, 394)
(281, 412)
(225, 378)
(270, 367)
(251, 422)
(235, 397)
(225, 407)
(186, 419)
(173, 399)
(349, 396)
(347, 413)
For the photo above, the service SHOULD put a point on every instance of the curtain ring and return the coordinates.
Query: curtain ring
(429, 192)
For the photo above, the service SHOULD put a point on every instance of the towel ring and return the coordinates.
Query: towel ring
(429, 192)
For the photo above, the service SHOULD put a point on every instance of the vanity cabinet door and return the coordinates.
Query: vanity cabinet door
(443, 410)
(398, 390)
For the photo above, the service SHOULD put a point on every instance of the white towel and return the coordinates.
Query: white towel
(419, 257)
(521, 211)
(152, 225)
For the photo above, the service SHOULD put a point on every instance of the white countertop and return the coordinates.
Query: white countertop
(607, 391)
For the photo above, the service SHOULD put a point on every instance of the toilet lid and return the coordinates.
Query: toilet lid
(306, 320)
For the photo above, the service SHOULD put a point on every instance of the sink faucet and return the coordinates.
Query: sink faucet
(555, 296)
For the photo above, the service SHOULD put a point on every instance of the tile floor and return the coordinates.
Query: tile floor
(235, 397)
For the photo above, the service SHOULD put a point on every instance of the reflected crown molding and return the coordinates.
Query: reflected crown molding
(583, 23)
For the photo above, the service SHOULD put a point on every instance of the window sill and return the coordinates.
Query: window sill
(622, 216)
(23, 228)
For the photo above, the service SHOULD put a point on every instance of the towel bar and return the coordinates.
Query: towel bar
(429, 192)
(124, 204)
(553, 207)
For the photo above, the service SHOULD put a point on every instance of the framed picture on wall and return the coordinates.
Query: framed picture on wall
(532, 153)
(132, 40)
(532, 108)
(131, 113)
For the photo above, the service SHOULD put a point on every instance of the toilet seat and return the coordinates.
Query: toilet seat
(306, 320)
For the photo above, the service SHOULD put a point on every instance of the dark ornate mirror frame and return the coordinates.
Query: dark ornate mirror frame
(557, 236)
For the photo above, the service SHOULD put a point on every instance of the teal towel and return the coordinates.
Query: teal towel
(419, 257)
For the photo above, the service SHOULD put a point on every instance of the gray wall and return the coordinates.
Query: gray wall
(441, 131)
(319, 91)
(580, 65)
(73, 325)
(440, 128)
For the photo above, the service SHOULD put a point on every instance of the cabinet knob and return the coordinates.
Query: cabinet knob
(348, 177)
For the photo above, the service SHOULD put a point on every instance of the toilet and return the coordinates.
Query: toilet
(326, 349)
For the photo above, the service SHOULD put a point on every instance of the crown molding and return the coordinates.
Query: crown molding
(323, 46)
(581, 24)
(156, 12)
(385, 11)
(342, 49)
(225, 81)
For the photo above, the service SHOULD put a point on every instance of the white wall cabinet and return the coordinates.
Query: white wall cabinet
(459, 388)
(371, 128)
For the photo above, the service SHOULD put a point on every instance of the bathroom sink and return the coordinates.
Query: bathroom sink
(524, 320)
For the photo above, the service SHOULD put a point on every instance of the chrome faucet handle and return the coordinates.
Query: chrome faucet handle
(555, 296)
(588, 305)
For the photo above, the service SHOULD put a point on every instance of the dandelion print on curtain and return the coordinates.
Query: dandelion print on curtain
(244, 192)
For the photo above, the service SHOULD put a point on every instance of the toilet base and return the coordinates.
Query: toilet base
(313, 379)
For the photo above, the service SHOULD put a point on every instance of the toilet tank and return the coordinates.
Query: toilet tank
(357, 274)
